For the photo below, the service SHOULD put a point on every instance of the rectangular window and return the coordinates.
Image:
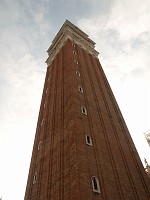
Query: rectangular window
(88, 140)
(76, 62)
(80, 89)
(77, 73)
(74, 52)
(34, 178)
(83, 110)
(45, 104)
(42, 123)
(95, 184)
(39, 145)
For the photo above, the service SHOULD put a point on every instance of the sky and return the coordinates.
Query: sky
(121, 30)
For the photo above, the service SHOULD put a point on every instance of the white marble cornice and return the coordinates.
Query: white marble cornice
(69, 31)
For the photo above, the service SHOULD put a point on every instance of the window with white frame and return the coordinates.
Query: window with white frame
(95, 184)
(76, 62)
(88, 140)
(80, 89)
(77, 73)
(42, 123)
(34, 178)
(39, 146)
(45, 104)
(74, 52)
(73, 45)
(83, 110)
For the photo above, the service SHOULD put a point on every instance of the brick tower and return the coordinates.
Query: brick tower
(82, 148)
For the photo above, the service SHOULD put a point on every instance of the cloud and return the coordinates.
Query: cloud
(122, 35)
(20, 102)
(24, 40)
(123, 40)
(130, 18)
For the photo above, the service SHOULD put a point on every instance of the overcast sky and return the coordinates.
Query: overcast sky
(121, 30)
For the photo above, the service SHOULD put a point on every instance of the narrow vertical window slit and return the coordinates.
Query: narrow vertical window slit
(88, 140)
(76, 62)
(45, 104)
(80, 89)
(42, 123)
(39, 145)
(83, 110)
(77, 73)
(95, 184)
(34, 178)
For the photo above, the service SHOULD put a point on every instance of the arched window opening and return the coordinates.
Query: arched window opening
(88, 140)
(34, 178)
(83, 110)
(80, 89)
(45, 104)
(76, 62)
(95, 184)
(42, 123)
(74, 52)
(39, 145)
(77, 73)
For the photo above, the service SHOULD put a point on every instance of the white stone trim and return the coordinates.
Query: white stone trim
(87, 137)
(35, 178)
(80, 89)
(39, 146)
(95, 184)
(77, 36)
(83, 110)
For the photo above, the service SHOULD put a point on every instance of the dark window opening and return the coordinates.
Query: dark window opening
(80, 89)
(77, 73)
(83, 110)
(76, 62)
(45, 104)
(95, 184)
(42, 123)
(88, 140)
(35, 178)
(39, 145)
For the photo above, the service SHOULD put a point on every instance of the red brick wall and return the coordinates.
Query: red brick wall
(65, 163)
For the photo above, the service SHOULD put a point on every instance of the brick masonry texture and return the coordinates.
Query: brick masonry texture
(65, 163)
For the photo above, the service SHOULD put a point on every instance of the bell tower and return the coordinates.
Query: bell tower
(82, 149)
